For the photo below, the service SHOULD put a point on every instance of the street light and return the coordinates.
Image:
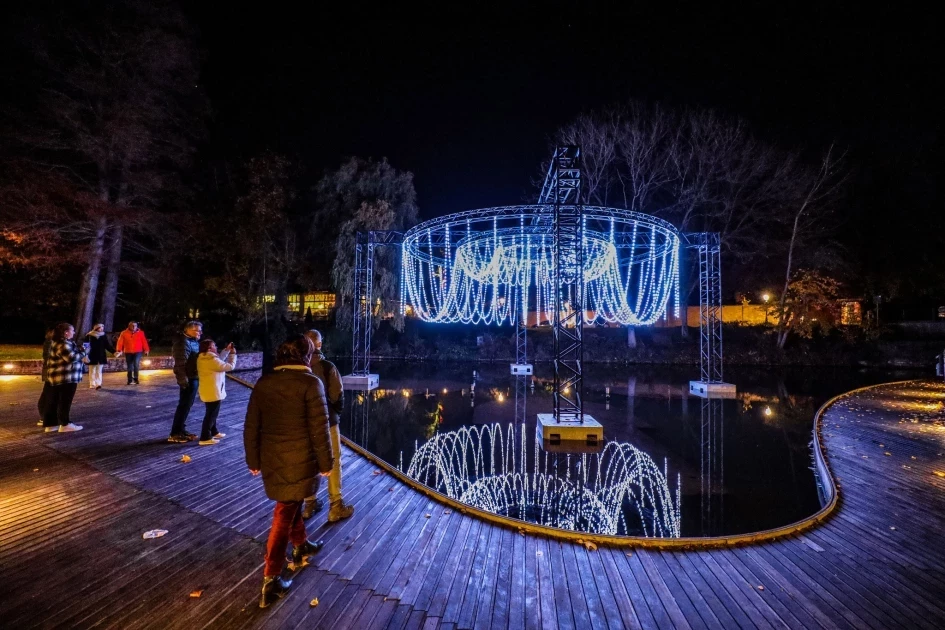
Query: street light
(767, 298)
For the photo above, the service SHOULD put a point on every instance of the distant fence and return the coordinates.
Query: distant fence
(245, 361)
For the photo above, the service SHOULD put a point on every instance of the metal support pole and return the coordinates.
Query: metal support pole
(362, 324)
(568, 255)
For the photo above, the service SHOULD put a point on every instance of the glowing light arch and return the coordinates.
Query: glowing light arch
(495, 266)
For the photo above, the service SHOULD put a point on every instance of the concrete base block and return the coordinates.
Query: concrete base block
(569, 429)
(711, 390)
(360, 382)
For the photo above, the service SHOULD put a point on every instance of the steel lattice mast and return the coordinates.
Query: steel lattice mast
(568, 259)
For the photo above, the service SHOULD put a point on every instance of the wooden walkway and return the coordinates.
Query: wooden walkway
(73, 509)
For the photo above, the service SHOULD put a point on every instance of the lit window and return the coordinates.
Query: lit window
(295, 303)
(319, 304)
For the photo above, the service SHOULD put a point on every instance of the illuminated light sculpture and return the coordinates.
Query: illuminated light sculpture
(489, 468)
(496, 266)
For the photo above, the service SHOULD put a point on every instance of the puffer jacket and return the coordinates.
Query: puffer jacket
(185, 350)
(286, 433)
(331, 379)
(132, 342)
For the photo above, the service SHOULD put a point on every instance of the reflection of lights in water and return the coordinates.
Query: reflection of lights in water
(490, 469)
(768, 411)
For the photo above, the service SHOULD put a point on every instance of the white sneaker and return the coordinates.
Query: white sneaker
(51, 430)
(219, 435)
(209, 442)
(69, 427)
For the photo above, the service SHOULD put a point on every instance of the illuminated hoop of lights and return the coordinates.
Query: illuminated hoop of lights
(488, 467)
(495, 265)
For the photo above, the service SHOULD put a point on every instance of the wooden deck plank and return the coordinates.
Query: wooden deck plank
(389, 566)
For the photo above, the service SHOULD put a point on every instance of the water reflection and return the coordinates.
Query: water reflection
(728, 466)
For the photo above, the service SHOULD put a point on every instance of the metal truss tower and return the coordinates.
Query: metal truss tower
(712, 467)
(568, 259)
(708, 248)
(362, 324)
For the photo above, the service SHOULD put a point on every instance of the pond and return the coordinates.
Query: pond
(671, 464)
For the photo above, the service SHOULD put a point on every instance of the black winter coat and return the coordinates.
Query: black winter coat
(98, 346)
(286, 433)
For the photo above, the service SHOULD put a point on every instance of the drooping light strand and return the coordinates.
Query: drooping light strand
(501, 269)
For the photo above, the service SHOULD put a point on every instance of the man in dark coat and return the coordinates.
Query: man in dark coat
(286, 437)
(326, 371)
(185, 349)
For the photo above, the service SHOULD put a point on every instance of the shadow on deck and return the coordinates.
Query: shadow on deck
(73, 508)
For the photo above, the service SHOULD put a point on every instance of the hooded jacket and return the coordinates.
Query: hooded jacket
(286, 432)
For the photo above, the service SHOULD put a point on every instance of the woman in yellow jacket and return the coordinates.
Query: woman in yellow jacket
(211, 375)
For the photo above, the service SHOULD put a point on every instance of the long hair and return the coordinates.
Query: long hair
(59, 334)
(296, 350)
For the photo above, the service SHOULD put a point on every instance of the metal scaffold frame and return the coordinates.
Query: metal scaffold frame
(568, 256)
(712, 466)
(362, 324)
(708, 249)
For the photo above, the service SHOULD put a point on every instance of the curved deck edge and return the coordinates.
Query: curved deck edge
(823, 472)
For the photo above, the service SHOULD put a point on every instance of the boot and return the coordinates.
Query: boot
(339, 510)
(273, 588)
(310, 507)
(301, 553)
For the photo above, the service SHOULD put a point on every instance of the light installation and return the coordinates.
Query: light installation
(496, 266)
(619, 491)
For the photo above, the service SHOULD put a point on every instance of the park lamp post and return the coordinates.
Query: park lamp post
(766, 297)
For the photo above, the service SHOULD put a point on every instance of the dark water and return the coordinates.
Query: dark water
(739, 465)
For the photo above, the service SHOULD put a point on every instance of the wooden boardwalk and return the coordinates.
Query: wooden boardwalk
(73, 509)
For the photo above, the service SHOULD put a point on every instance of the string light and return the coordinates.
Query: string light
(501, 267)
(489, 467)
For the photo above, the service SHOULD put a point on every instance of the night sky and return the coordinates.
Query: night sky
(468, 103)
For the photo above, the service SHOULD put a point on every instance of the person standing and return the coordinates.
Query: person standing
(331, 379)
(64, 371)
(211, 374)
(99, 346)
(185, 349)
(286, 437)
(132, 343)
(44, 396)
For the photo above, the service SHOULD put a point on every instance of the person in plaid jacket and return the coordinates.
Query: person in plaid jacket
(64, 369)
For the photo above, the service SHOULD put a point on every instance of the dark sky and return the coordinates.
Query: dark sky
(467, 103)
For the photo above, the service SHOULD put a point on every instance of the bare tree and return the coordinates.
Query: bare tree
(597, 134)
(701, 171)
(117, 108)
(817, 190)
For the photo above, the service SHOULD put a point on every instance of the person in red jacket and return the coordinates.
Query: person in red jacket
(132, 343)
